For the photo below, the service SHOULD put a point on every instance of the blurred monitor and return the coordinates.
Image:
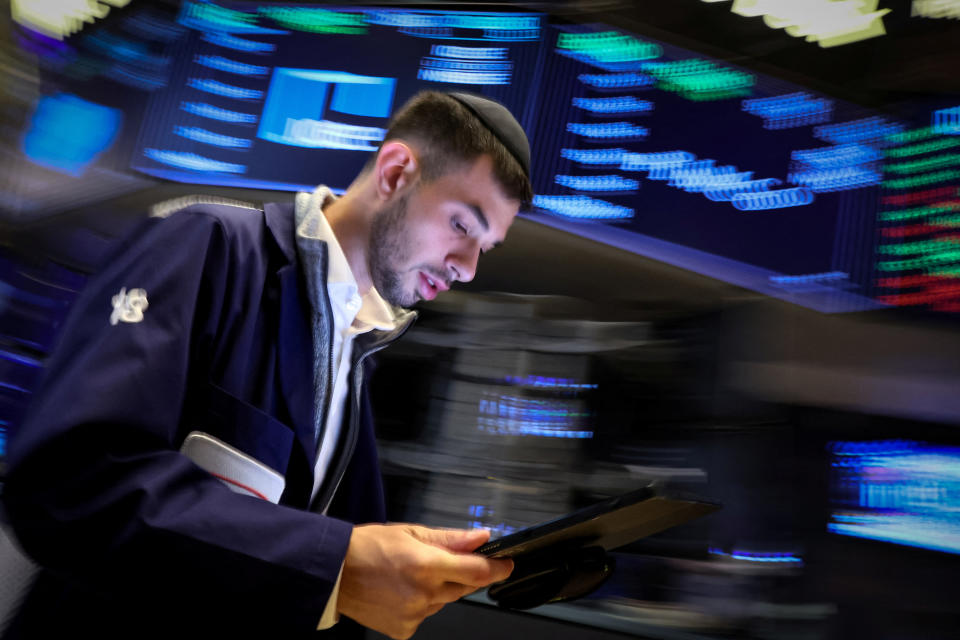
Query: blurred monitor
(897, 491)
(678, 156)
(745, 177)
(285, 97)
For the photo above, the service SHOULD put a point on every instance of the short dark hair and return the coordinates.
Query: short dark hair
(448, 135)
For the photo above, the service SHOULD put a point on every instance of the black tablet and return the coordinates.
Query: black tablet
(608, 524)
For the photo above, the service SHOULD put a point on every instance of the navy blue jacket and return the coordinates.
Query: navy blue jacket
(134, 538)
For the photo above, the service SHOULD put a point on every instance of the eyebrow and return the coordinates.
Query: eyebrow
(481, 217)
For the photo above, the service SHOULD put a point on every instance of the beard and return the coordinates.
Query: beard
(388, 250)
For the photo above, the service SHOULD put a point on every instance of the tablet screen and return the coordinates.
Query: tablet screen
(609, 524)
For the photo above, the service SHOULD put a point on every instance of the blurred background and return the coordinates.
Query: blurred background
(740, 278)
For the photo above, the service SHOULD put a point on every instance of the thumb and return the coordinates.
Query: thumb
(456, 540)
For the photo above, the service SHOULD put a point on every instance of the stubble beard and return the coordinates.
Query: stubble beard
(388, 249)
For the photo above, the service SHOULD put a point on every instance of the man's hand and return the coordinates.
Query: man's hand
(394, 576)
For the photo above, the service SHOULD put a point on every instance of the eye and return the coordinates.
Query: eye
(459, 226)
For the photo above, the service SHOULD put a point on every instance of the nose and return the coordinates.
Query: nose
(463, 263)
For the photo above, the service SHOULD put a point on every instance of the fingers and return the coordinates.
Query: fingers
(459, 564)
(471, 569)
(458, 540)
(396, 575)
(452, 591)
(479, 571)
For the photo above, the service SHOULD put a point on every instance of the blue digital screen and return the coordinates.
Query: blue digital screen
(686, 159)
(709, 166)
(67, 133)
(290, 96)
(897, 491)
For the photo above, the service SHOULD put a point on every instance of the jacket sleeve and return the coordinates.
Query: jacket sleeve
(97, 491)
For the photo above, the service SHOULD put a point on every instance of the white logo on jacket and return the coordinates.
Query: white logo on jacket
(129, 306)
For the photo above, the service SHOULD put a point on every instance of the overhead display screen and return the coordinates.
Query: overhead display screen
(711, 167)
(687, 159)
(287, 97)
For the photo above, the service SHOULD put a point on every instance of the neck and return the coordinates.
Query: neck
(349, 217)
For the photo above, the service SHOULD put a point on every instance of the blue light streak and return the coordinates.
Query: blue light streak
(760, 556)
(703, 179)
(450, 64)
(706, 179)
(724, 192)
(226, 90)
(192, 161)
(441, 24)
(13, 387)
(865, 131)
(454, 20)
(20, 359)
(872, 448)
(502, 427)
(327, 134)
(548, 382)
(808, 278)
(843, 155)
(790, 110)
(434, 33)
(617, 80)
(469, 53)
(597, 183)
(594, 156)
(205, 110)
(608, 130)
(231, 66)
(522, 416)
(582, 207)
(681, 169)
(766, 200)
(234, 43)
(647, 161)
(512, 36)
(466, 65)
(209, 137)
(842, 179)
(614, 105)
(431, 74)
(707, 166)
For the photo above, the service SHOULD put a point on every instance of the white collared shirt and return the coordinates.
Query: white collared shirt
(353, 315)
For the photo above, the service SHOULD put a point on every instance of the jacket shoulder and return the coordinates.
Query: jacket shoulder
(240, 222)
(229, 213)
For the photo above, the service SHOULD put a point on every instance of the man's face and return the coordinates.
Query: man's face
(433, 233)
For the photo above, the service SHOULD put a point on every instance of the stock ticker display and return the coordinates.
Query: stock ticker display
(693, 161)
(286, 97)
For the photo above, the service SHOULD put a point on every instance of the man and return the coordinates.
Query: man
(201, 449)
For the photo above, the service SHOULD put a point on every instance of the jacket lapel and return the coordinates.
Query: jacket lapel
(295, 350)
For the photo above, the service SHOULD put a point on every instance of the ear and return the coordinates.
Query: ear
(396, 167)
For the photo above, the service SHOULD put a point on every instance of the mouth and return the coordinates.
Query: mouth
(429, 286)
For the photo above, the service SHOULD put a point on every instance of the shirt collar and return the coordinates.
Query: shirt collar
(313, 230)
